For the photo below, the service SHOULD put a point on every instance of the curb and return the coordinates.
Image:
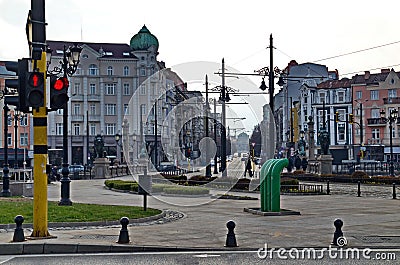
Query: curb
(96, 223)
(46, 248)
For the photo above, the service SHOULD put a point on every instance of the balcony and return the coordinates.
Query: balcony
(395, 100)
(76, 118)
(376, 122)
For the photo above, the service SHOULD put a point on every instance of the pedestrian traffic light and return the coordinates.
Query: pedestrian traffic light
(58, 92)
(351, 118)
(20, 69)
(337, 116)
(35, 89)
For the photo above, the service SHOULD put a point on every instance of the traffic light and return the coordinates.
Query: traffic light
(35, 89)
(337, 116)
(351, 118)
(20, 69)
(58, 92)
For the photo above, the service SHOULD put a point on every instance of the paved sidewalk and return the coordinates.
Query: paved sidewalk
(368, 222)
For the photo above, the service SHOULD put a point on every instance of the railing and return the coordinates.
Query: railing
(376, 121)
(302, 188)
(394, 100)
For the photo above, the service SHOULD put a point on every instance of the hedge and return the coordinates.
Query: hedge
(186, 190)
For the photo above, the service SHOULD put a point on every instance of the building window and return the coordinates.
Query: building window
(110, 89)
(392, 93)
(126, 70)
(77, 109)
(143, 89)
(77, 129)
(9, 139)
(375, 134)
(9, 120)
(77, 89)
(341, 132)
(393, 132)
(358, 94)
(126, 109)
(375, 113)
(110, 129)
(23, 140)
(92, 129)
(153, 89)
(142, 71)
(342, 114)
(24, 121)
(92, 108)
(143, 109)
(60, 112)
(126, 89)
(374, 94)
(59, 128)
(110, 109)
(93, 70)
(92, 89)
(110, 71)
(340, 96)
(322, 97)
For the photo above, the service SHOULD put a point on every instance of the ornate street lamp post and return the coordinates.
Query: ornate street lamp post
(392, 118)
(67, 67)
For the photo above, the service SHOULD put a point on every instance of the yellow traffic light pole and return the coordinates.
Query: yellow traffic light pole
(40, 211)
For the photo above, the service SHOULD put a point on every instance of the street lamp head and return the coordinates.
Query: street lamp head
(393, 114)
(75, 52)
(263, 86)
(117, 137)
(281, 82)
(382, 112)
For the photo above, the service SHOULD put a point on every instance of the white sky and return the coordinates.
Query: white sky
(239, 31)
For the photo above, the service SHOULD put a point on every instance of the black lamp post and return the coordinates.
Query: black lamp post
(390, 119)
(6, 178)
(67, 67)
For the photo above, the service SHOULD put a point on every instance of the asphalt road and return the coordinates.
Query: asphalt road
(210, 258)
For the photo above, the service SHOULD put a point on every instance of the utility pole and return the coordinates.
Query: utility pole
(208, 166)
(215, 138)
(271, 75)
(155, 136)
(223, 130)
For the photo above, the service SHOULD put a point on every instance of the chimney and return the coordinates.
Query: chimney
(385, 71)
(366, 75)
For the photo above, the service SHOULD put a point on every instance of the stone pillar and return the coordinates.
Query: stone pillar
(311, 143)
(325, 164)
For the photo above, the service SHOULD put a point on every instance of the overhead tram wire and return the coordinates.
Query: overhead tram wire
(358, 51)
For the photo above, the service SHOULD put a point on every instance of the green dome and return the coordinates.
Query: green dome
(143, 40)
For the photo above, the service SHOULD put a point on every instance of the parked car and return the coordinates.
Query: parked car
(73, 168)
(163, 168)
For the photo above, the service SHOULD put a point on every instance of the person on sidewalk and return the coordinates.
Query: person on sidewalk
(249, 168)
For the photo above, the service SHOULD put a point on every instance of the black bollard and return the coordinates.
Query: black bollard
(359, 189)
(18, 232)
(394, 191)
(338, 238)
(123, 234)
(328, 190)
(230, 237)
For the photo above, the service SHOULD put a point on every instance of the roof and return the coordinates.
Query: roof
(344, 82)
(370, 79)
(109, 50)
(143, 40)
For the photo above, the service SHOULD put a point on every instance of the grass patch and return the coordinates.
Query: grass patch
(186, 190)
(78, 212)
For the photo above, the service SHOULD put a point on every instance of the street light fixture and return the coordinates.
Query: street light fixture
(390, 119)
(67, 67)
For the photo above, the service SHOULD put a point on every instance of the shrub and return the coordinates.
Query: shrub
(199, 179)
(186, 190)
(242, 184)
(157, 188)
(119, 184)
(359, 175)
(289, 181)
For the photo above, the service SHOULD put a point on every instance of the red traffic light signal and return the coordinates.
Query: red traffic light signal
(35, 89)
(58, 92)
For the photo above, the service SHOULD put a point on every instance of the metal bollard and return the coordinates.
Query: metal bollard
(123, 234)
(359, 189)
(18, 232)
(394, 191)
(338, 238)
(230, 237)
(328, 190)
